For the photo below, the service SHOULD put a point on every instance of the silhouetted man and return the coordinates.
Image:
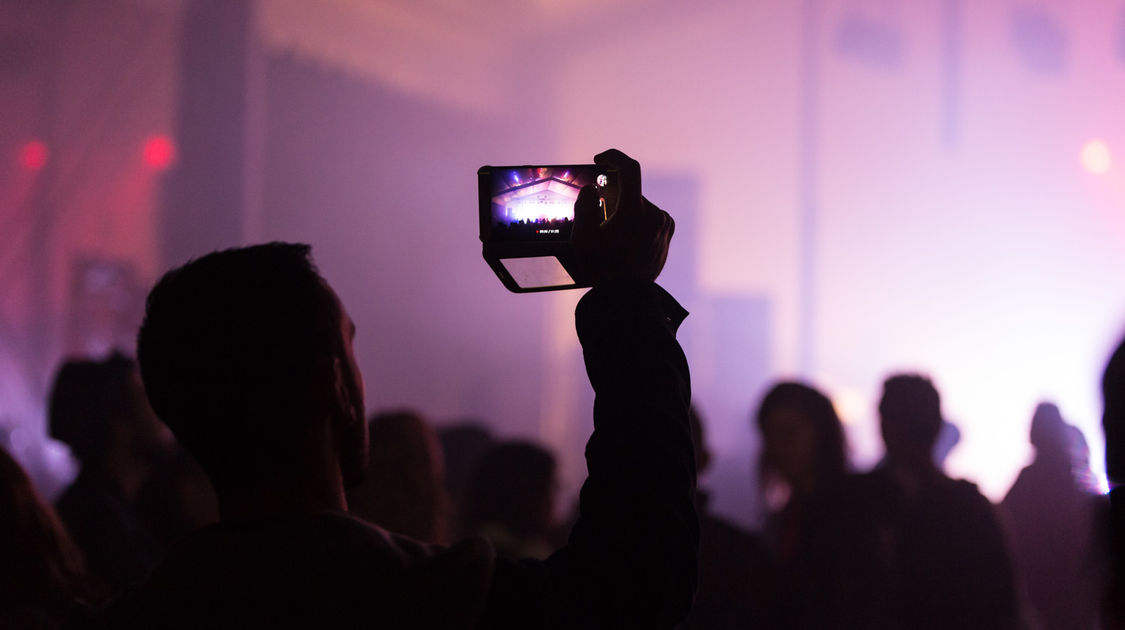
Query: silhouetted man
(947, 553)
(247, 355)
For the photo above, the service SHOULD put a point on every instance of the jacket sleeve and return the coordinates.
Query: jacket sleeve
(631, 561)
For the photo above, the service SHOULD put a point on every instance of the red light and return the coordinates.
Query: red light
(159, 152)
(33, 155)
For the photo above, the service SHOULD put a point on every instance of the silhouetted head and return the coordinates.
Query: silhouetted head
(514, 486)
(1079, 447)
(405, 488)
(802, 437)
(98, 409)
(462, 446)
(910, 415)
(1113, 419)
(1049, 434)
(245, 353)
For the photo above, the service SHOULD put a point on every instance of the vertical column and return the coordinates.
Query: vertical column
(206, 196)
(809, 182)
(951, 72)
(40, 350)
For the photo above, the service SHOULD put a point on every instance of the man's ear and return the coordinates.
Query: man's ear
(343, 403)
(350, 424)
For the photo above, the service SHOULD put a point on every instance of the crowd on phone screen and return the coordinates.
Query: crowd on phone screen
(899, 546)
(525, 229)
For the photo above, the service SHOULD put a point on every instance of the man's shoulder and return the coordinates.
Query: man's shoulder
(962, 492)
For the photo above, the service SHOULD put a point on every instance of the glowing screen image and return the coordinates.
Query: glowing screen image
(537, 203)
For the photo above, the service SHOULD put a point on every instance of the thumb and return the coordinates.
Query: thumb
(588, 214)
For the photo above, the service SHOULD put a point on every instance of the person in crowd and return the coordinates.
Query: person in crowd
(463, 443)
(737, 580)
(1084, 475)
(1113, 424)
(1052, 528)
(950, 566)
(404, 490)
(43, 579)
(823, 540)
(511, 499)
(247, 355)
(176, 497)
(98, 409)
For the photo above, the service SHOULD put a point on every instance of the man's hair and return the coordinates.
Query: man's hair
(911, 407)
(236, 350)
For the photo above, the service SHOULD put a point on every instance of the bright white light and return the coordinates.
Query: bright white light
(1096, 157)
(851, 405)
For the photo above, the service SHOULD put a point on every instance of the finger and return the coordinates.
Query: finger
(588, 213)
(628, 178)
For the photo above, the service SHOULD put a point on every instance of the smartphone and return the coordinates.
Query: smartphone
(526, 218)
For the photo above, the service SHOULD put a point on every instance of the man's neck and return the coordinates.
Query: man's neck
(254, 504)
(912, 473)
(304, 487)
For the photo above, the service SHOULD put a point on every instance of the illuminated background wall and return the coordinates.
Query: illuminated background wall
(860, 186)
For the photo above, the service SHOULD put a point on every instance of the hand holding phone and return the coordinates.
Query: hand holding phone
(628, 240)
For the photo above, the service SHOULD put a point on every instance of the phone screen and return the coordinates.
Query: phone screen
(526, 220)
(536, 203)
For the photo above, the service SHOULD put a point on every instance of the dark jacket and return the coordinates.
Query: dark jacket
(950, 562)
(630, 561)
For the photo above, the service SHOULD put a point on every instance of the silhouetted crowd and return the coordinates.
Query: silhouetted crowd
(900, 546)
(256, 501)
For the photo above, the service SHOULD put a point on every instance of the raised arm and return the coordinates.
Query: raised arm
(631, 558)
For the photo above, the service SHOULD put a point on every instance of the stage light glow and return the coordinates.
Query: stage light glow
(33, 155)
(850, 404)
(159, 152)
(1096, 157)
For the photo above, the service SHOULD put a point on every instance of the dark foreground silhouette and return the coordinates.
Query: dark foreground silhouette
(246, 354)
(948, 560)
(1053, 527)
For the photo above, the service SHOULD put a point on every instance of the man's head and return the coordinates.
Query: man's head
(910, 414)
(1049, 432)
(246, 352)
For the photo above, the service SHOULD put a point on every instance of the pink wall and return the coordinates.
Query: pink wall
(956, 231)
